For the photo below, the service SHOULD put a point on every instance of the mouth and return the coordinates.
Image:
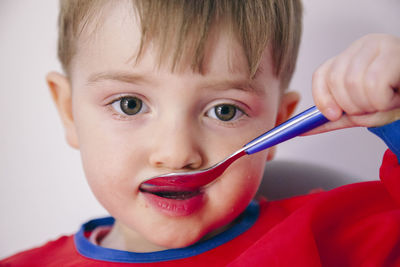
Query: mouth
(175, 193)
(173, 201)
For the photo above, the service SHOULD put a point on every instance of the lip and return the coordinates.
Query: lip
(175, 207)
(179, 181)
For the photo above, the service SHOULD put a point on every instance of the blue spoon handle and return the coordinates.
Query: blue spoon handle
(301, 123)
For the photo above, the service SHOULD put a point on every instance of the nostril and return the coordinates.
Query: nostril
(176, 149)
(176, 161)
(192, 166)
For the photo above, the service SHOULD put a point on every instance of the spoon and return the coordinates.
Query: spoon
(301, 123)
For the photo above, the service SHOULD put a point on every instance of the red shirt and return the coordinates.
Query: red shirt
(353, 225)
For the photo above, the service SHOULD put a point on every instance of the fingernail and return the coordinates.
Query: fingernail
(332, 113)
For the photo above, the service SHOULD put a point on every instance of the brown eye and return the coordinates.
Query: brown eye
(131, 105)
(225, 112)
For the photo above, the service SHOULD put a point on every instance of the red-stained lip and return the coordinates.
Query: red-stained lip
(156, 189)
(179, 182)
(174, 201)
(174, 197)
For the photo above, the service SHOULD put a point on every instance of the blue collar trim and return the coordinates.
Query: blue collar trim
(87, 249)
(390, 133)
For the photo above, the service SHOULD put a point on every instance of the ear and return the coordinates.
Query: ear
(287, 106)
(61, 92)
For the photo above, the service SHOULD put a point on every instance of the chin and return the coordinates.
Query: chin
(178, 239)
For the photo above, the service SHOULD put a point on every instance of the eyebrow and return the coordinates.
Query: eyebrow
(119, 76)
(245, 85)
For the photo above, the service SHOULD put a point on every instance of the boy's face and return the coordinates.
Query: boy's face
(134, 121)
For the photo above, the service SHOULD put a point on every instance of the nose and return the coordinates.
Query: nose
(176, 147)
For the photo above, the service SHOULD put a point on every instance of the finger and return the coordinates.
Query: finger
(341, 123)
(322, 96)
(335, 80)
(382, 80)
(354, 77)
(322, 93)
(376, 119)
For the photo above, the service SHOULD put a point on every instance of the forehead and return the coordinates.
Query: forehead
(113, 42)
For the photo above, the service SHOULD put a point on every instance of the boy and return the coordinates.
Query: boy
(153, 87)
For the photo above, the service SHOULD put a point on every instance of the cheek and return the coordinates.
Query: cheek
(108, 179)
(109, 160)
(234, 190)
(245, 176)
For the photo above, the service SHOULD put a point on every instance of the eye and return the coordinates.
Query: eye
(129, 105)
(225, 112)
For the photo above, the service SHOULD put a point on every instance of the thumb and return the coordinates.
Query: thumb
(375, 119)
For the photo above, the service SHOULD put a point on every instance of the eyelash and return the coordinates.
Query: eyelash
(233, 122)
(119, 114)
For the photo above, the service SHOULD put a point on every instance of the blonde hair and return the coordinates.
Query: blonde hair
(181, 28)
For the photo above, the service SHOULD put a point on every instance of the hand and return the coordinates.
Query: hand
(363, 82)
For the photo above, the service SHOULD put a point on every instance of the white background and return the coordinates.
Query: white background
(43, 192)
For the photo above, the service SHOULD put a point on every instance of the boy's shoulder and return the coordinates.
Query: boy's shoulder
(52, 253)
